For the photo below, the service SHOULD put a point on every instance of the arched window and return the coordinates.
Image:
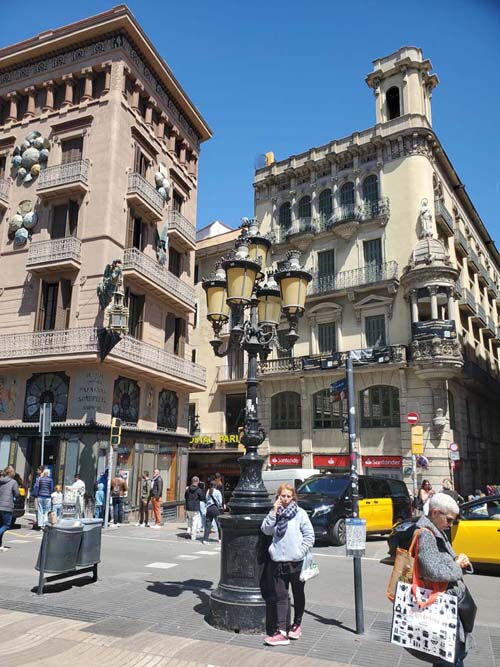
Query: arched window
(325, 413)
(285, 410)
(347, 195)
(393, 104)
(325, 203)
(370, 189)
(285, 216)
(379, 406)
(305, 207)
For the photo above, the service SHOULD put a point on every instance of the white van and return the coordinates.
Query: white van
(294, 476)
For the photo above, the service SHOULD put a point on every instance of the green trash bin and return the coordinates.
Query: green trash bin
(90, 548)
(62, 547)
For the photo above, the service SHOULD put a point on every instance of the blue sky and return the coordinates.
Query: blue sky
(285, 75)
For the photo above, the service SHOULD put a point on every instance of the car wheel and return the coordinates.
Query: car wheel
(337, 533)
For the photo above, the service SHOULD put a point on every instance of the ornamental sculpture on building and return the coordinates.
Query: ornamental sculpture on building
(426, 222)
(29, 156)
(22, 223)
(110, 278)
(162, 185)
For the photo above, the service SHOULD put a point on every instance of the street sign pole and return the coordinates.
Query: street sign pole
(44, 426)
(353, 462)
(414, 476)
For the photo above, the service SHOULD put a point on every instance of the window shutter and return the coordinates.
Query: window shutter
(375, 330)
(72, 150)
(140, 316)
(63, 304)
(326, 263)
(169, 332)
(42, 296)
(129, 241)
(326, 338)
(373, 252)
(59, 216)
(72, 218)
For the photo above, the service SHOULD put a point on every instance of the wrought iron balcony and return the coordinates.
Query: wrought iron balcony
(303, 226)
(376, 210)
(461, 241)
(83, 342)
(480, 316)
(484, 275)
(311, 363)
(55, 255)
(491, 327)
(183, 231)
(144, 197)
(355, 278)
(467, 301)
(492, 288)
(4, 192)
(444, 216)
(65, 178)
(148, 274)
(473, 258)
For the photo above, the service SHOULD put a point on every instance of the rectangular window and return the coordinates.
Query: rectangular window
(177, 201)
(40, 98)
(327, 339)
(55, 305)
(59, 92)
(284, 353)
(72, 150)
(141, 162)
(179, 336)
(98, 83)
(3, 164)
(136, 314)
(375, 331)
(235, 412)
(4, 110)
(174, 262)
(379, 406)
(169, 332)
(235, 365)
(136, 232)
(372, 251)
(326, 263)
(196, 270)
(78, 90)
(64, 220)
(22, 106)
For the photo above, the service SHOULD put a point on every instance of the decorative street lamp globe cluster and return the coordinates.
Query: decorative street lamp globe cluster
(241, 282)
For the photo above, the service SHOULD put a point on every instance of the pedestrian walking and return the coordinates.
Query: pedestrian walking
(57, 500)
(292, 537)
(79, 486)
(99, 501)
(156, 494)
(44, 489)
(118, 490)
(437, 562)
(192, 498)
(424, 494)
(214, 508)
(203, 508)
(144, 500)
(9, 489)
(34, 495)
(450, 491)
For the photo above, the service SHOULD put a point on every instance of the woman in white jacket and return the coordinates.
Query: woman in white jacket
(293, 537)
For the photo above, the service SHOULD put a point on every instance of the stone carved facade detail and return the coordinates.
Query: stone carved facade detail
(437, 347)
(79, 54)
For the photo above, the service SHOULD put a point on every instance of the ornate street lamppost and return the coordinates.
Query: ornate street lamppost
(238, 285)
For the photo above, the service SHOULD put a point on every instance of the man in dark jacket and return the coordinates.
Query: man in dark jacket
(119, 488)
(156, 494)
(193, 497)
(9, 489)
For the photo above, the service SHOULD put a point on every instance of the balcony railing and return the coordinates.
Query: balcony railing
(177, 222)
(4, 189)
(64, 174)
(308, 363)
(343, 280)
(48, 343)
(367, 210)
(135, 260)
(232, 373)
(481, 314)
(137, 184)
(474, 258)
(492, 287)
(461, 240)
(443, 213)
(155, 358)
(84, 341)
(55, 250)
(298, 226)
(468, 299)
(491, 325)
(484, 274)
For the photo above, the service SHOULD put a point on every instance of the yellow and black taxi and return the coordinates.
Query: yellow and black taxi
(327, 500)
(476, 532)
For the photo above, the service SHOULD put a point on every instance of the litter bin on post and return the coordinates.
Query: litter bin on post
(60, 548)
(90, 548)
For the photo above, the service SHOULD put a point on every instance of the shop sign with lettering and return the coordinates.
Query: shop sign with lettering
(382, 461)
(219, 438)
(285, 459)
(331, 461)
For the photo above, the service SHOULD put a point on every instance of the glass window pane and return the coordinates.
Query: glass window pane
(375, 331)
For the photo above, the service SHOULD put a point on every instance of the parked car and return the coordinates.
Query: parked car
(295, 476)
(327, 500)
(20, 501)
(476, 531)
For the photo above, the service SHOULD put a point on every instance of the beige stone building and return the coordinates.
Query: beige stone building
(405, 274)
(99, 148)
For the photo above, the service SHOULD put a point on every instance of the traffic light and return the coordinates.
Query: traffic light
(116, 431)
(417, 439)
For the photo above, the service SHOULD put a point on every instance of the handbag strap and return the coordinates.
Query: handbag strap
(417, 582)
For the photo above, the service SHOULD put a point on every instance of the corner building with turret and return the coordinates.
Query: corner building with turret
(99, 148)
(405, 275)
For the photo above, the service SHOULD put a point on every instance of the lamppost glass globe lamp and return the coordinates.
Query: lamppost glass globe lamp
(216, 291)
(269, 296)
(241, 272)
(259, 245)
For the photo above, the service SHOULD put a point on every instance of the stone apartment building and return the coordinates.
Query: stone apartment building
(405, 274)
(99, 148)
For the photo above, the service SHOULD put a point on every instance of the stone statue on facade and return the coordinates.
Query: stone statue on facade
(426, 222)
(111, 276)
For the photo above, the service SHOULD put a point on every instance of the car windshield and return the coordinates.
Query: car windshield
(324, 486)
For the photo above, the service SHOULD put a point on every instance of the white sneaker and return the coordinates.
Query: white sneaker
(3, 549)
(141, 525)
(138, 524)
(156, 526)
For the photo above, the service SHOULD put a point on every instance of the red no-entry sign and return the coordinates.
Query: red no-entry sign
(412, 418)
